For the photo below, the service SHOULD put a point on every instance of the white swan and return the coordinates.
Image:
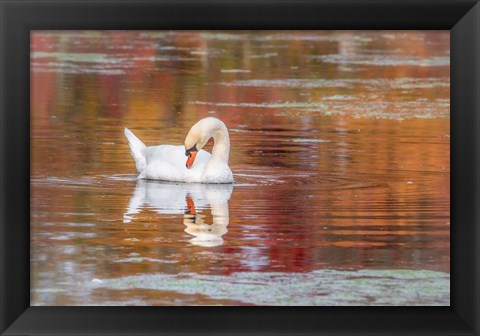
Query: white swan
(167, 162)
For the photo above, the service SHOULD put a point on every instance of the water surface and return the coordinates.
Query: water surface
(340, 153)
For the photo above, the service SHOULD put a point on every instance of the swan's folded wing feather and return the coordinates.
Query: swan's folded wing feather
(167, 163)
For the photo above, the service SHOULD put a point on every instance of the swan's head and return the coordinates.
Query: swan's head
(199, 135)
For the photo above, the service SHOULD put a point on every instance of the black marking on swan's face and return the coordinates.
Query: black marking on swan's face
(193, 149)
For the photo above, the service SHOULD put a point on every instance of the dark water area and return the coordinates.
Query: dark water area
(340, 150)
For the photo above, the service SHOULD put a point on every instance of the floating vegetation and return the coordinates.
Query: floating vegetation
(284, 36)
(360, 98)
(96, 63)
(80, 71)
(292, 83)
(340, 97)
(235, 71)
(73, 235)
(384, 60)
(266, 55)
(262, 105)
(366, 84)
(347, 107)
(300, 140)
(76, 57)
(320, 287)
(143, 259)
(169, 58)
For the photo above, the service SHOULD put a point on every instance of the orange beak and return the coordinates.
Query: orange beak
(191, 158)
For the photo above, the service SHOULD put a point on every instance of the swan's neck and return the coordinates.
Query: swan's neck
(221, 145)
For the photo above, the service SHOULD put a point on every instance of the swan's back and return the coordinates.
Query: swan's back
(167, 162)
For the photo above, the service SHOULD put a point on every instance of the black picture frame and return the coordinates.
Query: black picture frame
(18, 17)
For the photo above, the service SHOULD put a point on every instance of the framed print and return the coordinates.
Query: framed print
(316, 160)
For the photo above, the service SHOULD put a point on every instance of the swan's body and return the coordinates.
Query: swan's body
(167, 162)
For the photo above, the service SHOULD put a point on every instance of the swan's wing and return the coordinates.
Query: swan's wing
(167, 163)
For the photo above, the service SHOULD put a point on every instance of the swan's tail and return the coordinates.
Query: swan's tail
(137, 149)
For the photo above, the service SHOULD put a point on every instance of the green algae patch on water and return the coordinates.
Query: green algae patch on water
(317, 288)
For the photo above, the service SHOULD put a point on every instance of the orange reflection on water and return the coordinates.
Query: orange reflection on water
(340, 151)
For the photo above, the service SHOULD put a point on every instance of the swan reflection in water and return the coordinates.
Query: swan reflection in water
(187, 199)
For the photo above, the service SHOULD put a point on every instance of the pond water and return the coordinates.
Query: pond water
(340, 149)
